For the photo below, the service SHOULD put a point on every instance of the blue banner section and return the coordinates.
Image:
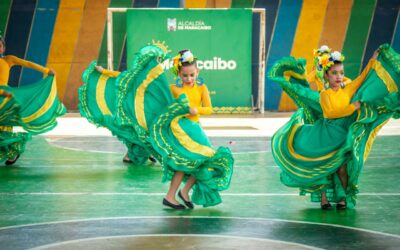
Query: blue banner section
(18, 29)
(386, 12)
(396, 35)
(271, 9)
(145, 4)
(169, 4)
(281, 45)
(40, 38)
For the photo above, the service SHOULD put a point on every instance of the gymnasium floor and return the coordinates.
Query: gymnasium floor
(72, 191)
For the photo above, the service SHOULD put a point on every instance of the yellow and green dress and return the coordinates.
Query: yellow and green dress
(198, 97)
(34, 108)
(159, 123)
(327, 132)
(97, 103)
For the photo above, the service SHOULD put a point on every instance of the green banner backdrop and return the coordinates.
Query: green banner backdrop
(220, 39)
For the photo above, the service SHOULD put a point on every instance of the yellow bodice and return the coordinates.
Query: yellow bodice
(7, 62)
(336, 104)
(198, 96)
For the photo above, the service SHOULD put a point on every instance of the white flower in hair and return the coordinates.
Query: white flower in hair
(324, 48)
(187, 56)
(337, 56)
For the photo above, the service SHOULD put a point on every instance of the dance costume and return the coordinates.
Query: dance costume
(34, 108)
(97, 99)
(159, 123)
(327, 132)
(198, 96)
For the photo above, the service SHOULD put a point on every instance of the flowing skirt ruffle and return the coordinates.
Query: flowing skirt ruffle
(34, 108)
(309, 149)
(141, 103)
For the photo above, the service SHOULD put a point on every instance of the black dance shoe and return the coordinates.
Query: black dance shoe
(189, 204)
(165, 202)
(127, 160)
(326, 206)
(341, 206)
(12, 161)
(152, 159)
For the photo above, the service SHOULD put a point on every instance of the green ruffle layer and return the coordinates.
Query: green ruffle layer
(309, 149)
(143, 103)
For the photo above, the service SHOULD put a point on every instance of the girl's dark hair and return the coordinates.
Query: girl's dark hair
(334, 63)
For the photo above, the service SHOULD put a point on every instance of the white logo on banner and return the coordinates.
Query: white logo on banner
(216, 64)
(173, 25)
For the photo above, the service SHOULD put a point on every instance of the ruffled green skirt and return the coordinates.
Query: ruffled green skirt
(309, 149)
(184, 147)
(97, 103)
(143, 103)
(34, 108)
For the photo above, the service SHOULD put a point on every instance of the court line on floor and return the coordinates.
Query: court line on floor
(235, 153)
(162, 194)
(200, 217)
(123, 152)
(111, 165)
(175, 235)
(52, 142)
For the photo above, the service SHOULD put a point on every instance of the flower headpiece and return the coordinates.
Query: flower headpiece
(324, 49)
(185, 56)
(327, 60)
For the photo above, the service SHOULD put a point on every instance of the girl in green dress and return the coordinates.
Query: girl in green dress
(322, 149)
(145, 108)
(97, 103)
(34, 107)
(187, 83)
